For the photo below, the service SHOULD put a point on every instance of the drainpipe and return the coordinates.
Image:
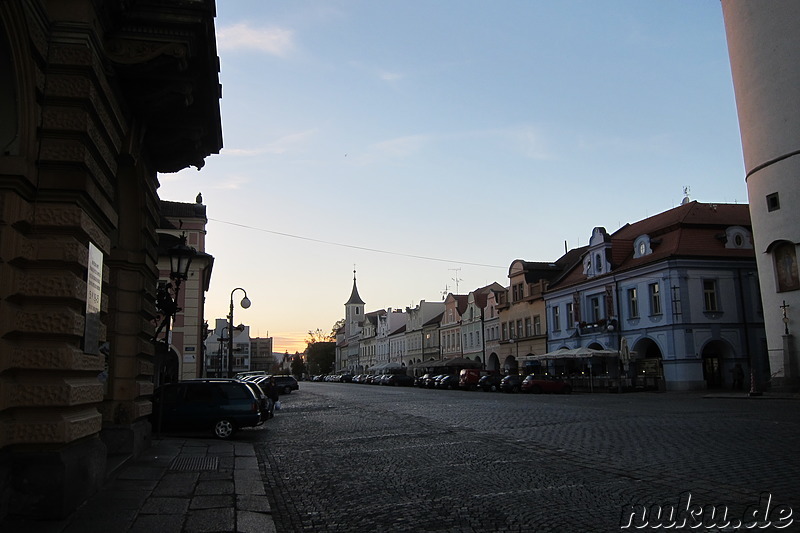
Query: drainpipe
(753, 388)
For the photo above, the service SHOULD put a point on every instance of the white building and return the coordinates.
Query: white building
(764, 44)
(680, 289)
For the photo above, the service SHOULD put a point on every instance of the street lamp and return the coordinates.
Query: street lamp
(180, 259)
(245, 303)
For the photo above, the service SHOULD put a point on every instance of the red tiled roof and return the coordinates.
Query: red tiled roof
(690, 230)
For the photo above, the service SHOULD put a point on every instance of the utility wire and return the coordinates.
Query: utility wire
(375, 250)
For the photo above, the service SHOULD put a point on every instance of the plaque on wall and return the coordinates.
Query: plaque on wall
(94, 292)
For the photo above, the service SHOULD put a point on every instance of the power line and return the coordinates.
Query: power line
(364, 248)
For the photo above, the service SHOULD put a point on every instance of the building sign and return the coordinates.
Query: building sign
(94, 293)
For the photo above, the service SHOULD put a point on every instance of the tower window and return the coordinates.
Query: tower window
(773, 202)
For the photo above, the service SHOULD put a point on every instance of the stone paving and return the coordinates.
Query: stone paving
(350, 458)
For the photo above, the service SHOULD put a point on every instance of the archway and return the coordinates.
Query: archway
(493, 363)
(717, 355)
(510, 365)
(646, 370)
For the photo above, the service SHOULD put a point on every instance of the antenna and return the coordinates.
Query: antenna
(445, 292)
(456, 278)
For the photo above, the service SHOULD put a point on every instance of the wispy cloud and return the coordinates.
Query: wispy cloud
(231, 183)
(386, 75)
(279, 146)
(530, 142)
(274, 41)
(402, 146)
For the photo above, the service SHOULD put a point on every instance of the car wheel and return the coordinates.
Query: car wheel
(536, 389)
(493, 388)
(566, 390)
(287, 389)
(224, 428)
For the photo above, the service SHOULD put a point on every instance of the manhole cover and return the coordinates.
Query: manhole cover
(195, 462)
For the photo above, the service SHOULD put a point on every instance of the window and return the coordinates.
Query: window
(518, 292)
(528, 328)
(710, 295)
(785, 258)
(537, 325)
(505, 331)
(633, 303)
(556, 319)
(655, 299)
(773, 202)
(594, 304)
(570, 316)
(519, 329)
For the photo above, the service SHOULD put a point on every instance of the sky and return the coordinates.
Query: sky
(428, 144)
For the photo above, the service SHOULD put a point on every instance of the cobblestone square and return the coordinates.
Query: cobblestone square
(345, 457)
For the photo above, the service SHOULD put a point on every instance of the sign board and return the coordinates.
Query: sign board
(94, 293)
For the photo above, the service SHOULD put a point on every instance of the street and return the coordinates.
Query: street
(347, 457)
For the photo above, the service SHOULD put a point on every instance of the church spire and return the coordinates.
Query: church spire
(354, 297)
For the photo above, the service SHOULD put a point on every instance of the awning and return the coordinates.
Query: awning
(455, 362)
(571, 353)
(377, 369)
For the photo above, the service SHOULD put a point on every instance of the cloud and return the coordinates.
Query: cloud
(402, 146)
(274, 41)
(231, 183)
(386, 75)
(279, 146)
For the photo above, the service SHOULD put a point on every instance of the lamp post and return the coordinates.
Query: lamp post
(180, 259)
(245, 303)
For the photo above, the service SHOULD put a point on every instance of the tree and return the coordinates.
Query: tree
(321, 357)
(339, 324)
(297, 366)
(317, 336)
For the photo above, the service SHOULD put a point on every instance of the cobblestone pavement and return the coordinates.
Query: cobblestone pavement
(349, 458)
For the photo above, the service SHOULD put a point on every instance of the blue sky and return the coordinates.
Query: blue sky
(431, 141)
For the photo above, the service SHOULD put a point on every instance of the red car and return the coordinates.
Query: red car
(540, 384)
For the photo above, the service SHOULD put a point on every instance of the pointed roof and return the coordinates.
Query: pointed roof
(354, 297)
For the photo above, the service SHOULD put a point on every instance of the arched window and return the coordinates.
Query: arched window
(784, 256)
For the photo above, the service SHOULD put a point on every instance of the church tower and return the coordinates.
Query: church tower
(353, 311)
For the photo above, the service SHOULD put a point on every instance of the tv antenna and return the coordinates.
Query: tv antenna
(456, 278)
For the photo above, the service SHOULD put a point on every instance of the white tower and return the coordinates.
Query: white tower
(764, 44)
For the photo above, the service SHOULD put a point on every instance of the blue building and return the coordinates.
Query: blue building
(671, 301)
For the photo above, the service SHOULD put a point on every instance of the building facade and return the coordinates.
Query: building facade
(763, 45)
(421, 343)
(97, 97)
(673, 301)
(186, 336)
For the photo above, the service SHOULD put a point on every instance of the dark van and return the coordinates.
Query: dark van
(220, 406)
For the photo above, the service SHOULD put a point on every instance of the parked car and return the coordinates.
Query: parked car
(468, 378)
(511, 383)
(447, 381)
(286, 383)
(222, 406)
(399, 380)
(546, 383)
(490, 383)
(420, 381)
(431, 381)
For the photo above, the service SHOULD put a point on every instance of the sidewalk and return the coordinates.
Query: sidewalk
(178, 485)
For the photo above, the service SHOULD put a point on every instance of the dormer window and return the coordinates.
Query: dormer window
(598, 263)
(737, 237)
(642, 246)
